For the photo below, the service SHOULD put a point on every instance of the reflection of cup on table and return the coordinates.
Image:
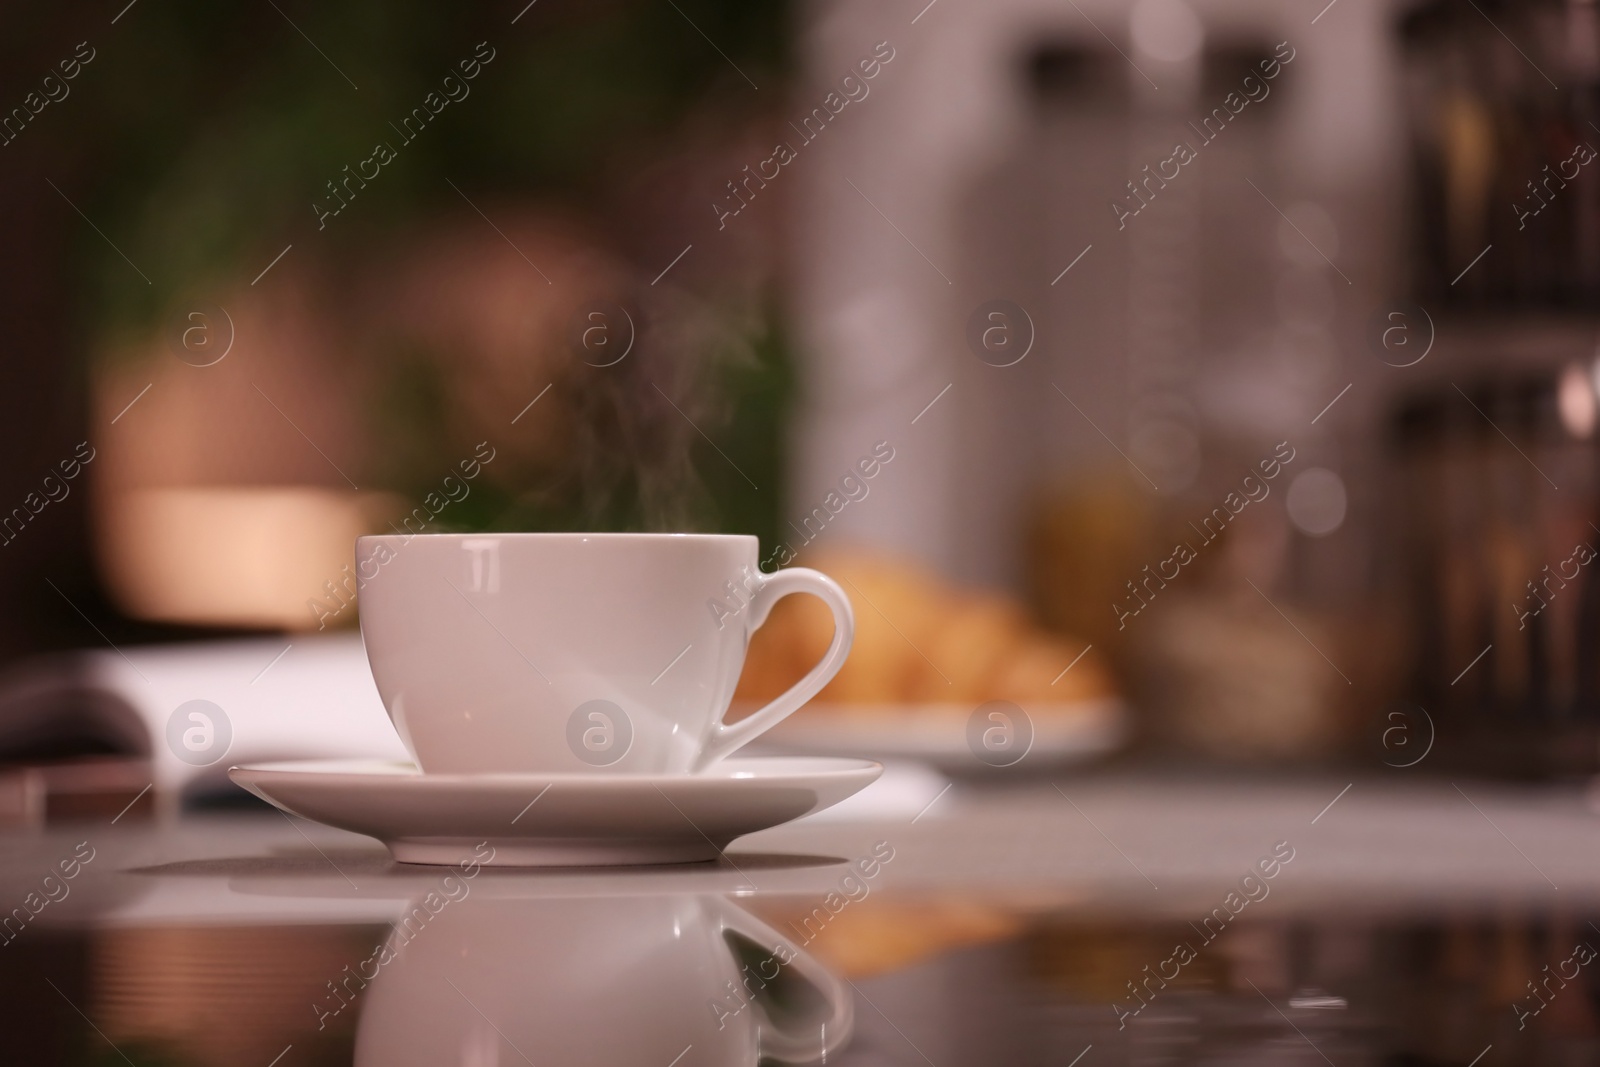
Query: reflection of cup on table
(603, 980)
(575, 653)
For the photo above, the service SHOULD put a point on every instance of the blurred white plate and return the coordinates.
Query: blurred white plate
(1062, 734)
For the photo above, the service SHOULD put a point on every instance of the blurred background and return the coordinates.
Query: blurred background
(1218, 374)
(1197, 398)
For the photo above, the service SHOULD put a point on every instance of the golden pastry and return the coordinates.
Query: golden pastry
(895, 607)
(966, 651)
(1033, 676)
(917, 642)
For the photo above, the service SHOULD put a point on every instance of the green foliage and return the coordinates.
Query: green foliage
(216, 126)
(754, 437)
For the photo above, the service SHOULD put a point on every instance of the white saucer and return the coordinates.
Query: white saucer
(556, 820)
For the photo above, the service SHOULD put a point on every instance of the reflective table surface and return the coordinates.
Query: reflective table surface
(1109, 918)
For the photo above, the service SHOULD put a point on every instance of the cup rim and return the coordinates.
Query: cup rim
(565, 536)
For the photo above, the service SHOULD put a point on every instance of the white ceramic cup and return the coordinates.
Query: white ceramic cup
(575, 653)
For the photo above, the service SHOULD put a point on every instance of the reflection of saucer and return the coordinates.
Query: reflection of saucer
(556, 820)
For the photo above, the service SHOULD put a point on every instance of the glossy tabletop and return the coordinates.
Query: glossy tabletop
(1114, 917)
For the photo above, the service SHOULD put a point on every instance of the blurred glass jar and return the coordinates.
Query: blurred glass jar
(1495, 493)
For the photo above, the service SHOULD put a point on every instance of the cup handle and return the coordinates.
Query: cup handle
(725, 737)
(797, 1042)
